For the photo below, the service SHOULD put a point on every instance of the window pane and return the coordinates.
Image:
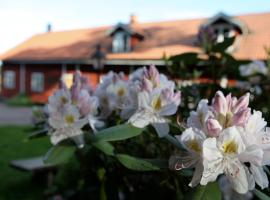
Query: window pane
(9, 79)
(37, 82)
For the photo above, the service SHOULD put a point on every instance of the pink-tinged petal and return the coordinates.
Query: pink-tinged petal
(220, 103)
(153, 73)
(242, 103)
(177, 98)
(229, 101)
(241, 117)
(213, 127)
(147, 85)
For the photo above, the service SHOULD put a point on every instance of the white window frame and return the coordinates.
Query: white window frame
(9, 79)
(37, 82)
(119, 44)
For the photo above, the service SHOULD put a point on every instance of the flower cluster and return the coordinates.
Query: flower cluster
(253, 68)
(146, 97)
(226, 137)
(71, 109)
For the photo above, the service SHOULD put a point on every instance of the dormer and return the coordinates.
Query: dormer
(225, 26)
(124, 37)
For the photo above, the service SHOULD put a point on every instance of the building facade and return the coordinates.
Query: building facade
(35, 66)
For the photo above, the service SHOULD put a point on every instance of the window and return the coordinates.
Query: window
(223, 31)
(9, 79)
(37, 82)
(121, 42)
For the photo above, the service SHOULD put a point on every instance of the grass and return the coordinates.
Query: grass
(20, 100)
(15, 184)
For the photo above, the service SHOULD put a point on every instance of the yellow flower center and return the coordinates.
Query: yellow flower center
(63, 100)
(156, 103)
(121, 92)
(69, 119)
(230, 147)
(194, 145)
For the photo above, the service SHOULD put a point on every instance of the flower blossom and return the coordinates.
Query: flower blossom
(156, 101)
(236, 143)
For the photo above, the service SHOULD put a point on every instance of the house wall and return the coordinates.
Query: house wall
(10, 92)
(52, 74)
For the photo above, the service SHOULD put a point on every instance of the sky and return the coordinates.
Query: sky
(21, 19)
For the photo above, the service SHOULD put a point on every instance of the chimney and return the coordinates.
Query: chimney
(49, 28)
(133, 19)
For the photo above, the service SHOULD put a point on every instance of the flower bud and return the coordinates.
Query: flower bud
(220, 103)
(241, 117)
(242, 103)
(213, 127)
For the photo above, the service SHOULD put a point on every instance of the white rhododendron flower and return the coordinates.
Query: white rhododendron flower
(227, 154)
(192, 140)
(255, 67)
(153, 109)
(156, 101)
(66, 124)
(236, 143)
(69, 110)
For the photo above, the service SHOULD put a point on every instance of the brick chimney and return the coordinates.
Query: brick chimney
(49, 28)
(133, 19)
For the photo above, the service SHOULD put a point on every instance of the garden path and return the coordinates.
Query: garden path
(15, 115)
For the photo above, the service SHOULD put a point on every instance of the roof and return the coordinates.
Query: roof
(160, 38)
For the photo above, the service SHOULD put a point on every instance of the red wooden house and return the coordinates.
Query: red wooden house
(35, 66)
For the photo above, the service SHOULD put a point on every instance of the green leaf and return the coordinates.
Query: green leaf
(39, 133)
(186, 58)
(105, 147)
(139, 164)
(208, 192)
(261, 195)
(59, 154)
(120, 132)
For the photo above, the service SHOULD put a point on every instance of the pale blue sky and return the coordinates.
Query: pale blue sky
(20, 19)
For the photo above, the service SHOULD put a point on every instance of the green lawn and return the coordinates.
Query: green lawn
(15, 184)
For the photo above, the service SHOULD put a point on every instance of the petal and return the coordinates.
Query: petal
(140, 119)
(192, 140)
(184, 161)
(242, 103)
(231, 134)
(162, 129)
(236, 173)
(220, 103)
(259, 176)
(169, 109)
(252, 154)
(197, 176)
(212, 161)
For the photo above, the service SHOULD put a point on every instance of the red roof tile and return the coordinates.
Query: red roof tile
(160, 38)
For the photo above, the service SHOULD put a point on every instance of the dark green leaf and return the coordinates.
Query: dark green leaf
(59, 154)
(139, 164)
(223, 46)
(261, 195)
(120, 132)
(105, 147)
(39, 133)
(208, 192)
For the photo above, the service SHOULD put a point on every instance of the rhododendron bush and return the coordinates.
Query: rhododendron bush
(141, 137)
(221, 138)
